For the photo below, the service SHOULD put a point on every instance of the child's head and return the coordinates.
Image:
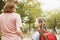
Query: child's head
(39, 22)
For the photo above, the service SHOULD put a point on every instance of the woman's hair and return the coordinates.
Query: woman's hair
(15, 1)
(9, 7)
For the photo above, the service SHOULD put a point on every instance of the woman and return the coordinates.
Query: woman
(10, 23)
(39, 23)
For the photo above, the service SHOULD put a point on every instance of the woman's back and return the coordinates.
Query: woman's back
(8, 26)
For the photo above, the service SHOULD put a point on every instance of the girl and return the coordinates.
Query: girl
(38, 23)
(10, 23)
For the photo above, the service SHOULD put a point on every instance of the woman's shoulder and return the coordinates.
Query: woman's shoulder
(17, 14)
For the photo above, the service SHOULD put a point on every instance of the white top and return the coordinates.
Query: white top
(35, 36)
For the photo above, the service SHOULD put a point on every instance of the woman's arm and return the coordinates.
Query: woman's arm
(19, 25)
(20, 33)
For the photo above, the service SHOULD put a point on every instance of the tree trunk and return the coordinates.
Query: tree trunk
(29, 28)
(54, 26)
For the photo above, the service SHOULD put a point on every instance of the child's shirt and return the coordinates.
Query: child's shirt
(35, 36)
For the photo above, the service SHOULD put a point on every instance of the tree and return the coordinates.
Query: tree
(31, 9)
(53, 19)
(1, 5)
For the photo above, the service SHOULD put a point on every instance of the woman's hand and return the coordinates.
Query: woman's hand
(22, 36)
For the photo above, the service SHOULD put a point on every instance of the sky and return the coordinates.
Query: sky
(49, 4)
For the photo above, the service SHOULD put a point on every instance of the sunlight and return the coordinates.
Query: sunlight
(49, 4)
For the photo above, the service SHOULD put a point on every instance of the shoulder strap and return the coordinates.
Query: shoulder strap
(42, 32)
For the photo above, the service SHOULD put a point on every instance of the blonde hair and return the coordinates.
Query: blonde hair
(9, 7)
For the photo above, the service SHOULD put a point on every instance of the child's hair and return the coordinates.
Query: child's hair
(42, 20)
(9, 7)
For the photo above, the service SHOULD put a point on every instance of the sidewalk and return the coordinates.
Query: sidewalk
(29, 37)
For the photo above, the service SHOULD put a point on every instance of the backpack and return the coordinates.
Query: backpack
(45, 35)
(48, 36)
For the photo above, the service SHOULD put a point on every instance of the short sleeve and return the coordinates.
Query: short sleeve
(18, 21)
(35, 36)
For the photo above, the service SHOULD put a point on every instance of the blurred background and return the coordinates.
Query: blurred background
(31, 9)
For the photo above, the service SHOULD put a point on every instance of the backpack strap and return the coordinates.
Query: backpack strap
(42, 32)
(41, 35)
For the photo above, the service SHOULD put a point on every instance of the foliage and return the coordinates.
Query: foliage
(53, 18)
(29, 8)
(1, 5)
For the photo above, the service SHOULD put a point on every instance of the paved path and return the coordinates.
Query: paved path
(57, 35)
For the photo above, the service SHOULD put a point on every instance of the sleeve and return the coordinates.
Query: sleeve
(18, 21)
(35, 36)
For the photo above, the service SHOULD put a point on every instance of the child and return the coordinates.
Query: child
(38, 23)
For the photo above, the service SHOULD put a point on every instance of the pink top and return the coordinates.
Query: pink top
(9, 22)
